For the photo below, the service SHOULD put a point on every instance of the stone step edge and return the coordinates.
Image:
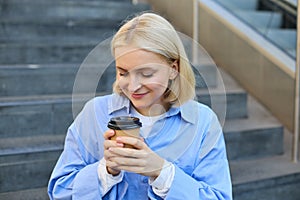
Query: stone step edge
(265, 168)
(277, 187)
(80, 43)
(62, 98)
(76, 3)
(31, 144)
(257, 114)
(36, 193)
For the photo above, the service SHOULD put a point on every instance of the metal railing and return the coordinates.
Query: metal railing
(295, 148)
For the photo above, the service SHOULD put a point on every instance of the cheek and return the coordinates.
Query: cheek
(121, 82)
(157, 85)
(161, 82)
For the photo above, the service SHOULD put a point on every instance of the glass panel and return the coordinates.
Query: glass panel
(276, 20)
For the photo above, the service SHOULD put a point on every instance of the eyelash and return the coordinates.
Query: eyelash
(123, 73)
(143, 74)
(147, 75)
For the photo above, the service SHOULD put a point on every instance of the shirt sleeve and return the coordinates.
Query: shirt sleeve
(107, 180)
(162, 183)
(74, 169)
(210, 178)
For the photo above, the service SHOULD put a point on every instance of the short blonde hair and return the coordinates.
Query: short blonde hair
(153, 33)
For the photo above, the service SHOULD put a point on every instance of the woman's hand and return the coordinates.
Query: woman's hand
(107, 154)
(141, 160)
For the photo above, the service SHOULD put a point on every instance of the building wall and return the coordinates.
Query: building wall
(178, 12)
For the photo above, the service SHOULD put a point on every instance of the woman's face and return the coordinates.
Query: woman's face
(143, 77)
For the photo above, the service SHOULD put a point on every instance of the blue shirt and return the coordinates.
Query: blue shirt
(189, 136)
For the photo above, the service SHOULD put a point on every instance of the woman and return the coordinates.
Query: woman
(181, 153)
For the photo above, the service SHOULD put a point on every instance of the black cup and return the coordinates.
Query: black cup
(124, 123)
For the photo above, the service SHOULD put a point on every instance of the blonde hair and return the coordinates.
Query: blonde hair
(153, 33)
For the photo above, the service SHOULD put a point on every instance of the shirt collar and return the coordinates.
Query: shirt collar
(187, 110)
(118, 102)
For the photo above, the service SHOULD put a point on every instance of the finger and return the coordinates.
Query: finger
(135, 169)
(109, 154)
(111, 143)
(136, 142)
(108, 134)
(111, 164)
(128, 152)
(127, 161)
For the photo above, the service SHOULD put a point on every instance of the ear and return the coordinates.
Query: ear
(174, 70)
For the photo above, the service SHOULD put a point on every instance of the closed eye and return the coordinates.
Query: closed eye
(122, 72)
(147, 74)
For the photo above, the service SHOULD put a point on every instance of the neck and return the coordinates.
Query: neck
(154, 110)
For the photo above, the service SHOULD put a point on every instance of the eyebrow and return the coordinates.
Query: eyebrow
(120, 68)
(138, 69)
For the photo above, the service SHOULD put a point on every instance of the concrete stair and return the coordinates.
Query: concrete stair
(272, 20)
(271, 177)
(39, 63)
(58, 31)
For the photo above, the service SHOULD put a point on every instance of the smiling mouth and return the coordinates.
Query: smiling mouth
(138, 96)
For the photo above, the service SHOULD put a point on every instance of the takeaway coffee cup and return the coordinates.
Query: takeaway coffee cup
(125, 126)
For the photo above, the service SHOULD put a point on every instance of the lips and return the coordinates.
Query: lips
(138, 96)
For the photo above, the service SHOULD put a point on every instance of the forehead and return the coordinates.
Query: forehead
(131, 57)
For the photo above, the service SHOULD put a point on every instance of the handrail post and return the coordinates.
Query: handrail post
(195, 32)
(295, 148)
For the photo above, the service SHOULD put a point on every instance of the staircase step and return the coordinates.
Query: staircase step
(292, 53)
(71, 9)
(238, 4)
(284, 38)
(206, 76)
(261, 19)
(52, 114)
(25, 157)
(31, 148)
(26, 80)
(48, 79)
(61, 28)
(55, 52)
(25, 175)
(259, 135)
(231, 101)
(263, 178)
(32, 194)
(282, 187)
(34, 115)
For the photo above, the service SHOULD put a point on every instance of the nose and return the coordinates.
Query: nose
(134, 84)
